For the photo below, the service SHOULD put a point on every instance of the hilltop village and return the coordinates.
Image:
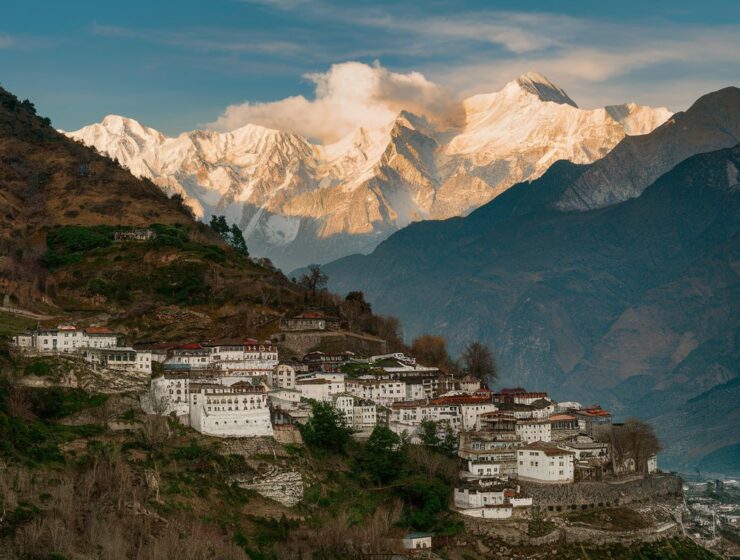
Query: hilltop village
(513, 444)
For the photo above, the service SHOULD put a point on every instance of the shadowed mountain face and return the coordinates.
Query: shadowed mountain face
(635, 305)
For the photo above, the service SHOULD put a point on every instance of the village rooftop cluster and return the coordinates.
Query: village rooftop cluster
(241, 388)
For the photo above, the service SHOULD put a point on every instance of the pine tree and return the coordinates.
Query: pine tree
(237, 240)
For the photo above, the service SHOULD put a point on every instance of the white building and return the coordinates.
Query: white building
(247, 354)
(359, 414)
(284, 377)
(239, 410)
(485, 469)
(319, 389)
(188, 356)
(118, 358)
(66, 339)
(545, 462)
(533, 430)
(475, 496)
(417, 541)
(284, 399)
(469, 384)
(24, 341)
(471, 408)
(380, 391)
(144, 361)
(170, 392)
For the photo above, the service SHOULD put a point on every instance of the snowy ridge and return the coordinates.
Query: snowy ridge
(300, 202)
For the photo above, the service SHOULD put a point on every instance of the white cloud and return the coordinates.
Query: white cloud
(596, 75)
(348, 96)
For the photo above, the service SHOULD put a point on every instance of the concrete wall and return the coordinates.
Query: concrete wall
(302, 342)
(562, 498)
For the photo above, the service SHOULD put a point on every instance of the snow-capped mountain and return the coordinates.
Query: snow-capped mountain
(300, 202)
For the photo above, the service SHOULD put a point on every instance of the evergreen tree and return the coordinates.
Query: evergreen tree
(382, 455)
(326, 428)
(237, 240)
(219, 225)
(428, 434)
(449, 443)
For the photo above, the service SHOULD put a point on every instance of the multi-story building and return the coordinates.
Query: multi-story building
(545, 462)
(238, 410)
(66, 339)
(360, 415)
(380, 391)
(284, 377)
(319, 389)
(534, 429)
(327, 362)
(170, 392)
(117, 358)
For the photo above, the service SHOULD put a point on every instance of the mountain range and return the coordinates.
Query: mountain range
(299, 202)
(615, 282)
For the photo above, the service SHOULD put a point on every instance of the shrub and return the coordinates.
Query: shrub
(39, 368)
(66, 245)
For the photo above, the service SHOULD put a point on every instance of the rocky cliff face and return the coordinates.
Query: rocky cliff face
(299, 202)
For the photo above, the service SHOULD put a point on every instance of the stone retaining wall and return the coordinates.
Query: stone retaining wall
(304, 342)
(573, 534)
(563, 498)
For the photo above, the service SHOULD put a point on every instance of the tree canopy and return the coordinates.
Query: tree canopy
(232, 235)
(635, 440)
(382, 455)
(326, 428)
(431, 350)
(478, 361)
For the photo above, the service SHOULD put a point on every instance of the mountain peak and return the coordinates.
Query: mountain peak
(537, 84)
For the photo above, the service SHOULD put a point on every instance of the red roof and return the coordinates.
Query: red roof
(512, 391)
(190, 346)
(595, 411)
(561, 417)
(98, 330)
(460, 399)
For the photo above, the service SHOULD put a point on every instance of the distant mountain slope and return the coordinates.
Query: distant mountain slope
(712, 123)
(299, 202)
(637, 299)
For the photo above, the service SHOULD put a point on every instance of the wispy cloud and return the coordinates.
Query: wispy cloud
(348, 96)
(673, 57)
(6, 41)
(209, 40)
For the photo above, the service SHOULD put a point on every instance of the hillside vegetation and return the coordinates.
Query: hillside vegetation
(88, 476)
(62, 205)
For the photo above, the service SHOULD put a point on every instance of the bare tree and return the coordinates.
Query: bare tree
(314, 280)
(478, 361)
(431, 350)
(634, 441)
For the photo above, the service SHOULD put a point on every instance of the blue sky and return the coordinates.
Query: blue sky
(179, 65)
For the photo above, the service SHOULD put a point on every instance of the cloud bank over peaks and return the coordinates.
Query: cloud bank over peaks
(348, 96)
